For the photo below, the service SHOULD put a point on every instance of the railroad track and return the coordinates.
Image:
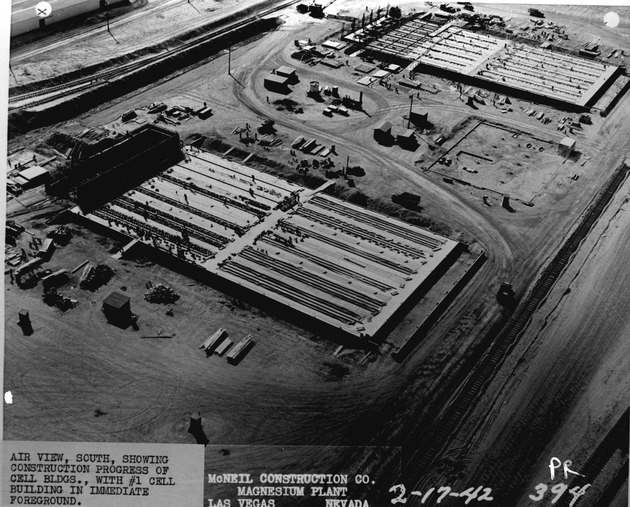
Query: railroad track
(84, 84)
(420, 463)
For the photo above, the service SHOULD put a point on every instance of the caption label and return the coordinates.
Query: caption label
(101, 474)
(297, 476)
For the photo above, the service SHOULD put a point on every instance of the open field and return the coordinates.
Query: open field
(560, 388)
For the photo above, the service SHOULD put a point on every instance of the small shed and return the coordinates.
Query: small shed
(204, 113)
(420, 120)
(33, 176)
(276, 83)
(288, 72)
(195, 428)
(407, 139)
(47, 249)
(117, 309)
(566, 147)
(383, 133)
(129, 116)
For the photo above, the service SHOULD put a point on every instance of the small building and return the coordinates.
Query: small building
(407, 139)
(407, 199)
(129, 116)
(383, 133)
(47, 249)
(117, 309)
(288, 72)
(331, 44)
(32, 177)
(25, 322)
(204, 112)
(276, 83)
(195, 428)
(566, 147)
(420, 120)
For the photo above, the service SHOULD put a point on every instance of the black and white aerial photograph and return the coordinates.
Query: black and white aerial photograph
(316, 253)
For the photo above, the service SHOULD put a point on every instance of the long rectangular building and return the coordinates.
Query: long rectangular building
(335, 262)
(490, 62)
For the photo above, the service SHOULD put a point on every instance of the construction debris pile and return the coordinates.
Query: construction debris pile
(61, 235)
(94, 277)
(53, 298)
(159, 293)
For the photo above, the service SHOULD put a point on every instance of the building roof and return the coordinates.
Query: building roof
(47, 244)
(385, 127)
(285, 71)
(274, 78)
(333, 44)
(19, 181)
(116, 300)
(567, 141)
(33, 172)
(408, 133)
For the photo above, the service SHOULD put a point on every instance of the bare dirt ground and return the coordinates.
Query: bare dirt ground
(569, 370)
(290, 389)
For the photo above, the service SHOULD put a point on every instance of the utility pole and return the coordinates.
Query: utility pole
(13, 74)
(230, 60)
(410, 109)
(107, 18)
(107, 15)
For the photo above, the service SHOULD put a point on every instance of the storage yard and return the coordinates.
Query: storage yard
(335, 237)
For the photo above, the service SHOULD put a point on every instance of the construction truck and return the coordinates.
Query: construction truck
(506, 295)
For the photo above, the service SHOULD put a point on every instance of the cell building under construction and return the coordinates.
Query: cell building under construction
(543, 75)
(335, 262)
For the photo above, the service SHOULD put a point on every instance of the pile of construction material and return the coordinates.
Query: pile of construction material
(218, 343)
(62, 235)
(159, 293)
(54, 298)
(94, 277)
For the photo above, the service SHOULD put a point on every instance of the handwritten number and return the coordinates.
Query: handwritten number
(445, 490)
(471, 494)
(540, 489)
(577, 492)
(558, 489)
(427, 495)
(486, 495)
(400, 488)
